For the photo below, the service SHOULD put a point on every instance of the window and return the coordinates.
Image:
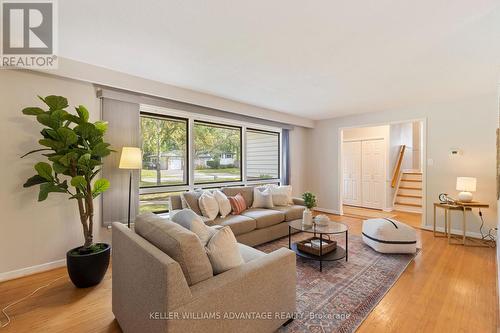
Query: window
(263, 155)
(155, 202)
(217, 153)
(164, 151)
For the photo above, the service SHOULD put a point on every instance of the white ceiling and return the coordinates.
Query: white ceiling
(317, 59)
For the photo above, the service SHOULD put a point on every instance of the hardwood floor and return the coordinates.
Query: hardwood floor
(447, 288)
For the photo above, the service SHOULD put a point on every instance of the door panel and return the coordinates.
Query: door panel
(373, 173)
(351, 173)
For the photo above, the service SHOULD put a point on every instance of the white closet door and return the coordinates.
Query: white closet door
(373, 173)
(351, 170)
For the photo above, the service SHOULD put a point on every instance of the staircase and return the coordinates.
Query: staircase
(409, 192)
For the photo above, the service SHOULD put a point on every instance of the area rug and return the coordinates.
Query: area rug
(365, 213)
(341, 297)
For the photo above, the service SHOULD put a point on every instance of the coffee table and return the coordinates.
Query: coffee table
(332, 228)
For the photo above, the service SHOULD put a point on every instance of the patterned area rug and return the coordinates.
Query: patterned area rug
(341, 297)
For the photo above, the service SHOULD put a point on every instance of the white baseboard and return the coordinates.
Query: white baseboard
(31, 270)
(327, 210)
(456, 232)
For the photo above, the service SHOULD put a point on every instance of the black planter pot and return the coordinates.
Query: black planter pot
(87, 270)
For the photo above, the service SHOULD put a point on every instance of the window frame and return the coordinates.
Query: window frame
(166, 112)
(186, 163)
(208, 123)
(279, 153)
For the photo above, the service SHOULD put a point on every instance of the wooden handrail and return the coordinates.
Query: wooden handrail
(397, 167)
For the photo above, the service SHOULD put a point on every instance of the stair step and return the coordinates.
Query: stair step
(410, 196)
(408, 204)
(412, 173)
(410, 188)
(412, 180)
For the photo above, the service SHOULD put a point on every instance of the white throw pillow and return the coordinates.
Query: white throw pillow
(282, 195)
(192, 221)
(223, 251)
(262, 197)
(208, 205)
(224, 204)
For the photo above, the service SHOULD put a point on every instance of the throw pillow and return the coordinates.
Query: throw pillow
(238, 204)
(190, 200)
(282, 195)
(208, 205)
(191, 221)
(223, 251)
(262, 198)
(224, 204)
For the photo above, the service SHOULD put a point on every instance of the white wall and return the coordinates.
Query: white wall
(36, 236)
(366, 133)
(468, 124)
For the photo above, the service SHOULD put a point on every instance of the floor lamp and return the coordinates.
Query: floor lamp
(130, 159)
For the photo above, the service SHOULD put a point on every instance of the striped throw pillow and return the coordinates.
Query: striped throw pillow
(238, 204)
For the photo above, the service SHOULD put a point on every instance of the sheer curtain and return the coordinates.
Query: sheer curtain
(123, 130)
(285, 156)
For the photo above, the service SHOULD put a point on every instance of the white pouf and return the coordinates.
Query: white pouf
(389, 236)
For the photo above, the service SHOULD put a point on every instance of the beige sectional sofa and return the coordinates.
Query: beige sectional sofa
(252, 227)
(152, 292)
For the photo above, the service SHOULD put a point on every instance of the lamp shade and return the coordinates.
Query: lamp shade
(466, 184)
(131, 158)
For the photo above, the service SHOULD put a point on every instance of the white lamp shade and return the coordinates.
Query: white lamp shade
(131, 158)
(466, 184)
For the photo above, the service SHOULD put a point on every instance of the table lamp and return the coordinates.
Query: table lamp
(130, 159)
(466, 185)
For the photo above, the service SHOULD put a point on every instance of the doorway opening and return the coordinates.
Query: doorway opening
(382, 169)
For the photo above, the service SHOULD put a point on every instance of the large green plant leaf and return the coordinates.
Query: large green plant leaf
(66, 159)
(101, 149)
(83, 113)
(100, 186)
(55, 145)
(87, 130)
(44, 170)
(55, 102)
(59, 168)
(47, 188)
(79, 182)
(68, 136)
(102, 126)
(49, 133)
(32, 111)
(35, 180)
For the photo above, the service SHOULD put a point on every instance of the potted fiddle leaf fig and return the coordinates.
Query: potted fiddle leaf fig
(74, 148)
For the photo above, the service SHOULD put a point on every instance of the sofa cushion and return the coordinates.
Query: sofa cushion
(245, 191)
(223, 251)
(249, 253)
(264, 217)
(239, 224)
(190, 200)
(179, 243)
(292, 212)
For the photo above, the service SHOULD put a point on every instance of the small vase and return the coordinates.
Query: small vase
(307, 217)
